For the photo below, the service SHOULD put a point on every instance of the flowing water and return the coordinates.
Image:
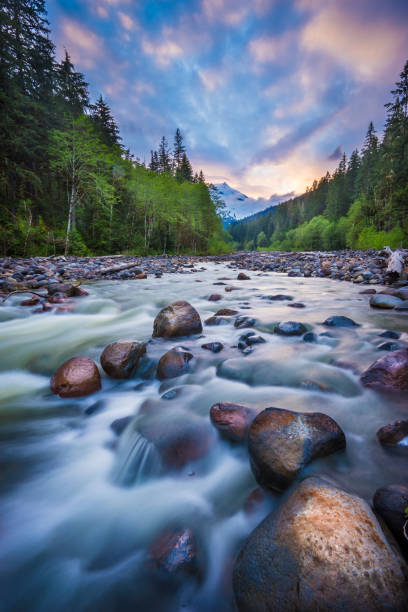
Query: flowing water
(79, 509)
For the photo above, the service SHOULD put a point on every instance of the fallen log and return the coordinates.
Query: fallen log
(118, 268)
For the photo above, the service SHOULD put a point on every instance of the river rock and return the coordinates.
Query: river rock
(290, 328)
(76, 377)
(310, 337)
(177, 319)
(381, 300)
(174, 363)
(282, 442)
(217, 320)
(243, 276)
(232, 420)
(226, 312)
(388, 373)
(389, 333)
(214, 347)
(242, 321)
(278, 298)
(391, 502)
(175, 554)
(340, 321)
(119, 359)
(394, 433)
(32, 301)
(215, 297)
(323, 550)
(178, 437)
(118, 426)
(402, 305)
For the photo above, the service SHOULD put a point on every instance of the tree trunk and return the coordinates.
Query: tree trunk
(70, 217)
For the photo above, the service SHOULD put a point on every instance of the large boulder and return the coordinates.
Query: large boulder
(391, 502)
(323, 550)
(232, 420)
(282, 442)
(177, 319)
(76, 377)
(174, 363)
(120, 359)
(388, 373)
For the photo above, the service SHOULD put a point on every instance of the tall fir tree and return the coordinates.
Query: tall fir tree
(104, 123)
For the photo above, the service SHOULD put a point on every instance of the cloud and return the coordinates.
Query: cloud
(231, 12)
(162, 52)
(127, 22)
(364, 45)
(269, 48)
(337, 153)
(84, 46)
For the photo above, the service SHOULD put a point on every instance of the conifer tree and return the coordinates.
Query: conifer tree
(178, 150)
(104, 123)
(71, 88)
(164, 157)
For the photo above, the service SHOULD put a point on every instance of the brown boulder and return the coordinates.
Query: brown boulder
(388, 373)
(243, 276)
(215, 297)
(393, 433)
(232, 420)
(177, 319)
(120, 359)
(76, 377)
(323, 550)
(173, 363)
(282, 442)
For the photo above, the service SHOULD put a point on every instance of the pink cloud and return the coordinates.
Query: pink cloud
(367, 48)
(84, 46)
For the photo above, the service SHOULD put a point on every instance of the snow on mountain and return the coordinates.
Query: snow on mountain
(239, 205)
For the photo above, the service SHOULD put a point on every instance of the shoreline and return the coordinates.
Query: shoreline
(360, 267)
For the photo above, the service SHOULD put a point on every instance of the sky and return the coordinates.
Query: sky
(267, 93)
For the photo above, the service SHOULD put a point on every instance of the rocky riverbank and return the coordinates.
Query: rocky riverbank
(362, 267)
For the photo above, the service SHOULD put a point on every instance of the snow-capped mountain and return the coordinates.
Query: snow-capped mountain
(239, 205)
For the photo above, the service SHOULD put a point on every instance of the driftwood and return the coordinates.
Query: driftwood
(40, 295)
(395, 263)
(118, 268)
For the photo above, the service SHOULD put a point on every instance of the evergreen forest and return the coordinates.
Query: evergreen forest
(363, 204)
(68, 185)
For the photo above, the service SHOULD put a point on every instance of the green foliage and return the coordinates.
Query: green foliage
(66, 182)
(364, 204)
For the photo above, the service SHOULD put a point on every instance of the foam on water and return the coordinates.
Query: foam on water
(72, 536)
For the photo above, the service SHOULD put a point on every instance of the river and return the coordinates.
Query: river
(74, 536)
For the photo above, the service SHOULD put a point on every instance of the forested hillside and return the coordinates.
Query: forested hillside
(363, 204)
(67, 183)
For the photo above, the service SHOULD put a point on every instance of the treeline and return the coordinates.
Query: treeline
(363, 204)
(67, 183)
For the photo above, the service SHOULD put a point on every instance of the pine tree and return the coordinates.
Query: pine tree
(104, 123)
(186, 171)
(178, 150)
(164, 157)
(201, 177)
(71, 88)
(154, 161)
